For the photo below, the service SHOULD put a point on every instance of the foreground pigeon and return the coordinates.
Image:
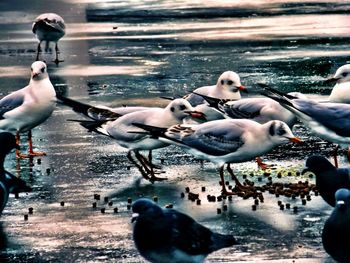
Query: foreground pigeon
(8, 182)
(328, 178)
(336, 231)
(166, 235)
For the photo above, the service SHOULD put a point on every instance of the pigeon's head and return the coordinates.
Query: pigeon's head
(342, 199)
(145, 208)
(317, 164)
(39, 70)
(181, 108)
(280, 133)
(7, 142)
(341, 75)
(230, 81)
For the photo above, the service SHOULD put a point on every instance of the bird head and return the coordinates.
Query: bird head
(38, 70)
(145, 207)
(342, 199)
(280, 132)
(341, 75)
(16, 185)
(317, 164)
(230, 81)
(181, 108)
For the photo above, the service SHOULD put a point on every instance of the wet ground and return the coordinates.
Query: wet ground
(132, 52)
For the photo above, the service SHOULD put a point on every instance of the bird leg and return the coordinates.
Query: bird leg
(57, 61)
(31, 152)
(348, 154)
(149, 167)
(335, 156)
(245, 191)
(143, 173)
(223, 185)
(38, 51)
(262, 165)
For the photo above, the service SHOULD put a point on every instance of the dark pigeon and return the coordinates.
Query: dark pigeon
(8, 182)
(166, 235)
(336, 231)
(328, 178)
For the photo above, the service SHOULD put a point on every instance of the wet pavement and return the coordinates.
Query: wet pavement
(133, 52)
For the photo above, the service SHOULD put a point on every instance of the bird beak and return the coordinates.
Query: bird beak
(295, 140)
(197, 115)
(35, 74)
(242, 88)
(340, 204)
(331, 80)
(134, 217)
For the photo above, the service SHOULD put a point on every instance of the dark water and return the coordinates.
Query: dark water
(162, 48)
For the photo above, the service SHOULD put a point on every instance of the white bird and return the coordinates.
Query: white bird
(49, 27)
(24, 109)
(228, 87)
(341, 90)
(225, 141)
(134, 139)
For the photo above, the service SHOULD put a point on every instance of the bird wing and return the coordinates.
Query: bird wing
(11, 101)
(188, 235)
(246, 108)
(334, 116)
(215, 138)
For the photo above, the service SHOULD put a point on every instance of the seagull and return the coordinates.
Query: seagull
(336, 231)
(225, 141)
(135, 140)
(259, 109)
(8, 182)
(341, 90)
(49, 27)
(26, 108)
(228, 87)
(328, 177)
(164, 235)
(329, 121)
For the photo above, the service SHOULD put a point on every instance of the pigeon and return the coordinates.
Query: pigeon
(228, 87)
(26, 108)
(336, 230)
(341, 91)
(328, 177)
(166, 235)
(129, 136)
(49, 27)
(8, 182)
(225, 141)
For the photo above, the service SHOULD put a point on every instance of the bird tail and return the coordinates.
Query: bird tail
(16, 185)
(92, 126)
(220, 241)
(213, 102)
(281, 97)
(74, 104)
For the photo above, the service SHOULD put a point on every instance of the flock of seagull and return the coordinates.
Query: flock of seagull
(213, 123)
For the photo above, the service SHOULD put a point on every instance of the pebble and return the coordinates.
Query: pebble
(218, 211)
(26, 217)
(94, 205)
(97, 197)
(115, 210)
(62, 203)
(103, 210)
(129, 200)
(30, 210)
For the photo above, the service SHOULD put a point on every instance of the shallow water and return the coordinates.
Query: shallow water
(162, 48)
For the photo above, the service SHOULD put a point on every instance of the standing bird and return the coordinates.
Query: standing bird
(168, 236)
(24, 109)
(228, 87)
(328, 177)
(49, 27)
(8, 182)
(135, 140)
(341, 90)
(226, 141)
(336, 230)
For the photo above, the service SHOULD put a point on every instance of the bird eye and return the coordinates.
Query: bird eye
(182, 107)
(222, 82)
(344, 74)
(281, 131)
(172, 109)
(229, 82)
(42, 70)
(31, 69)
